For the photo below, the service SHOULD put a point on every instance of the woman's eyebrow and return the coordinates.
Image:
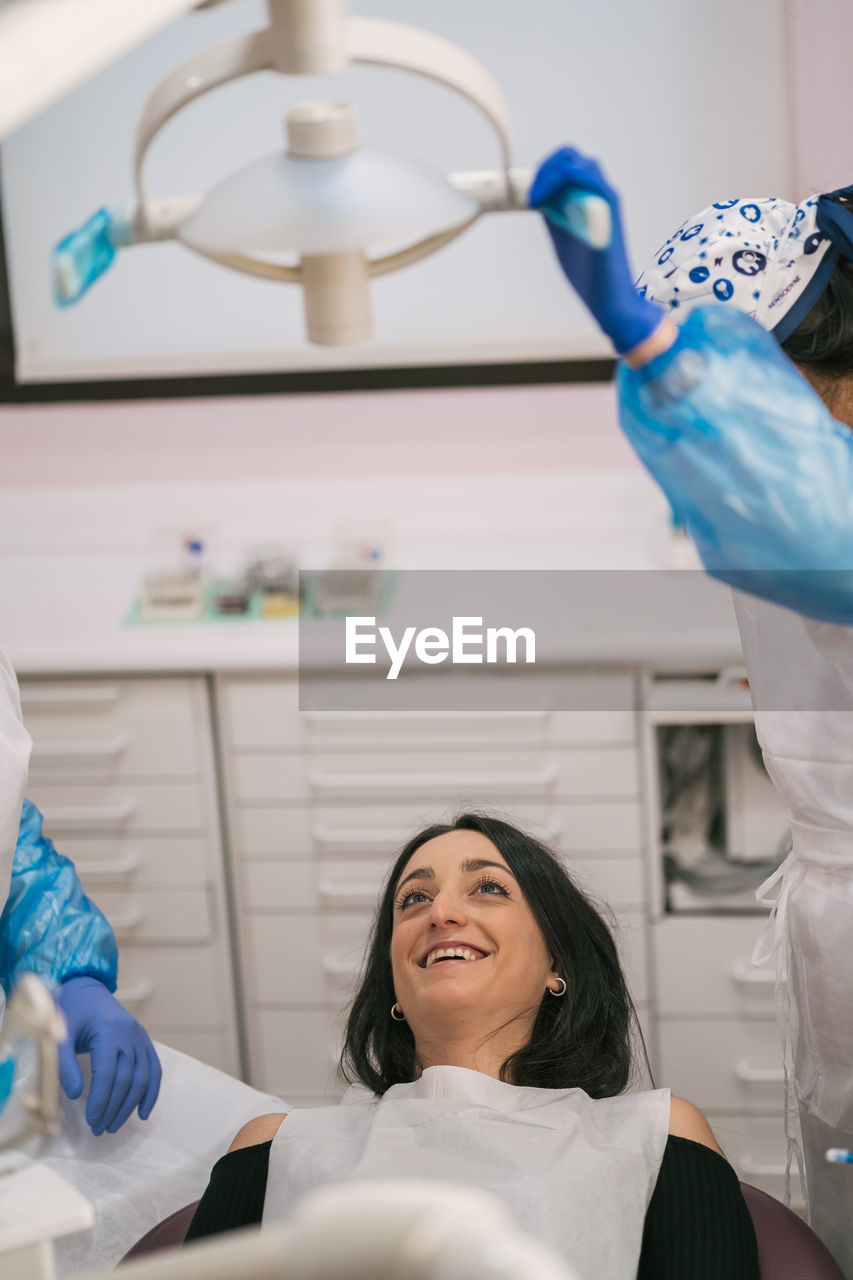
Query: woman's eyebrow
(470, 864)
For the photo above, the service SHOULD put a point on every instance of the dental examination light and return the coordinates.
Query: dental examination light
(323, 212)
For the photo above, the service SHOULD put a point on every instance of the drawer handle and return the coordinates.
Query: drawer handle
(759, 1075)
(135, 995)
(748, 976)
(444, 782)
(80, 750)
(109, 868)
(129, 921)
(88, 815)
(338, 966)
(62, 697)
(343, 891)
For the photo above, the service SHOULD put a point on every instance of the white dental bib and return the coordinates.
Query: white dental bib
(575, 1173)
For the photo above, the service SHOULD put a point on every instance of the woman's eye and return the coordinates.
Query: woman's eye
(492, 884)
(415, 893)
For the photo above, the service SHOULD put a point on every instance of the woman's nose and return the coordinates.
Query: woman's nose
(448, 907)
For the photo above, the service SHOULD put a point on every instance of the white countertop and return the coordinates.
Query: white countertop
(71, 561)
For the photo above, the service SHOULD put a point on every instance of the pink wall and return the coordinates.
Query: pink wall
(261, 437)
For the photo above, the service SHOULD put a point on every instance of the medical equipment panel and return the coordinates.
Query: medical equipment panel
(123, 774)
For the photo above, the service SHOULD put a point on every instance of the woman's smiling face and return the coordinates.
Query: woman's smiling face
(457, 893)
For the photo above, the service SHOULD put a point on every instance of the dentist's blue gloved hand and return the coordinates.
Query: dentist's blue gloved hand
(601, 277)
(125, 1068)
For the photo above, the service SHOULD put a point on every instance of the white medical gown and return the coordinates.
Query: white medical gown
(15, 747)
(762, 474)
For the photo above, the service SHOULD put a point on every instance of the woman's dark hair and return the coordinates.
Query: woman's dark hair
(582, 1039)
(822, 343)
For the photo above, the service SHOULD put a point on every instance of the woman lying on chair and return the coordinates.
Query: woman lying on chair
(489, 1043)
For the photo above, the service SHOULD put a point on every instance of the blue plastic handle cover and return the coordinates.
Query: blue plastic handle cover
(7, 1079)
(81, 257)
(582, 214)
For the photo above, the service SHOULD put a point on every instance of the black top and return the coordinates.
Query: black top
(697, 1223)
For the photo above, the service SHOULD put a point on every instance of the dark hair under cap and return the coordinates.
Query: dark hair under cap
(582, 1040)
(823, 341)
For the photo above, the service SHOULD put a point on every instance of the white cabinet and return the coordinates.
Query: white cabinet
(122, 771)
(319, 803)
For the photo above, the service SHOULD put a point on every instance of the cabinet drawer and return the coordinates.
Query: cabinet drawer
(133, 862)
(312, 958)
(445, 775)
(123, 808)
(757, 1148)
(724, 1064)
(305, 959)
(120, 729)
(216, 1048)
(334, 882)
(172, 987)
(270, 831)
(295, 1051)
(702, 966)
(153, 916)
(263, 713)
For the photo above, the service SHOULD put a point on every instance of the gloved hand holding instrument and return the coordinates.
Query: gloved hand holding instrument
(582, 215)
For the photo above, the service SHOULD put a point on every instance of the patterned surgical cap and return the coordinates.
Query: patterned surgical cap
(767, 257)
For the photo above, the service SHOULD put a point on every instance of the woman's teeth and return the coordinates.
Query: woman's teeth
(450, 953)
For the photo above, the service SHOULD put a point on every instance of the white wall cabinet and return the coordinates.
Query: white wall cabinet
(123, 773)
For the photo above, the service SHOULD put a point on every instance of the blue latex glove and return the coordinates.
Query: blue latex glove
(126, 1071)
(601, 277)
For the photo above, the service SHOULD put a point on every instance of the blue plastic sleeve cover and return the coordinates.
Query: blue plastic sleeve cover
(751, 459)
(48, 925)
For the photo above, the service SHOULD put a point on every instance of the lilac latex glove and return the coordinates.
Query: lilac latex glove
(125, 1068)
(601, 277)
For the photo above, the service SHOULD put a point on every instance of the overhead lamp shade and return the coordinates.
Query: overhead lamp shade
(283, 205)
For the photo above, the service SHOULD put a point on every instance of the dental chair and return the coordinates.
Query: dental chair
(788, 1249)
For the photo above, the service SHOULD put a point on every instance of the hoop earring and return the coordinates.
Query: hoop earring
(398, 1017)
(558, 994)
